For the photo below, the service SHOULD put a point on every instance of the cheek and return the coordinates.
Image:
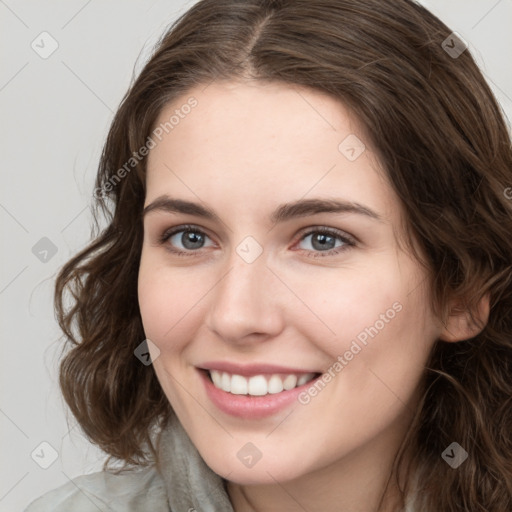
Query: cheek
(166, 300)
(343, 302)
(376, 318)
(165, 303)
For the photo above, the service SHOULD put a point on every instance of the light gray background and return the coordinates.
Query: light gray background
(55, 114)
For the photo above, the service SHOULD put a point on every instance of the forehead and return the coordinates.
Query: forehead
(268, 112)
(272, 141)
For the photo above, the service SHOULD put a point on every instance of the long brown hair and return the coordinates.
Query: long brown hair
(442, 140)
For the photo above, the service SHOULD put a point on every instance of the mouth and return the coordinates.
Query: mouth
(258, 384)
(253, 391)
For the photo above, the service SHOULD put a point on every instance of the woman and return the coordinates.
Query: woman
(310, 241)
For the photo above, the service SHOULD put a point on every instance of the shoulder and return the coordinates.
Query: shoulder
(127, 491)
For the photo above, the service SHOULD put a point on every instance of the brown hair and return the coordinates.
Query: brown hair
(443, 142)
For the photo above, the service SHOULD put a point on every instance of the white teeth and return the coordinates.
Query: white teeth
(226, 382)
(290, 382)
(217, 379)
(258, 385)
(275, 384)
(238, 385)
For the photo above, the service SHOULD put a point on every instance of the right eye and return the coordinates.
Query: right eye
(190, 237)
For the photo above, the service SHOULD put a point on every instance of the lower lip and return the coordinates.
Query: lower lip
(251, 407)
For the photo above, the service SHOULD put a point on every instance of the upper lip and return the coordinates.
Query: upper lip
(251, 369)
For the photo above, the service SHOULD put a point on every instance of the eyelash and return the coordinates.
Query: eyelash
(348, 241)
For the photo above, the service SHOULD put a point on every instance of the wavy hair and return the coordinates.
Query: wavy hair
(443, 142)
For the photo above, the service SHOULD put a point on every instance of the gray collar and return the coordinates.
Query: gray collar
(190, 483)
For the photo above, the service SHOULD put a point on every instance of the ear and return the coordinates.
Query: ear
(459, 326)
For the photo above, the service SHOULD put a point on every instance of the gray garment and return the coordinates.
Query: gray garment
(184, 484)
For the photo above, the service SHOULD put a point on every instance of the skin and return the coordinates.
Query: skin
(246, 148)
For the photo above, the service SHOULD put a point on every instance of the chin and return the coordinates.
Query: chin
(262, 472)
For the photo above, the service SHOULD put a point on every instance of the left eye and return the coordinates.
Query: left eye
(324, 240)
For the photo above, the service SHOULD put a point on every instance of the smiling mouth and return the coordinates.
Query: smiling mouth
(258, 385)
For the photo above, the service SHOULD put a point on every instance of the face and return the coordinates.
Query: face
(279, 276)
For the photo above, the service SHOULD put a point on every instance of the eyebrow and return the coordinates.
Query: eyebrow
(284, 212)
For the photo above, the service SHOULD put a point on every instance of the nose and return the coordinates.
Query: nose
(245, 304)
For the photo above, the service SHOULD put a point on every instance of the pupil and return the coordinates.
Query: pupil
(322, 240)
(191, 238)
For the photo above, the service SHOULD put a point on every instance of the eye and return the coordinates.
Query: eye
(323, 242)
(190, 237)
